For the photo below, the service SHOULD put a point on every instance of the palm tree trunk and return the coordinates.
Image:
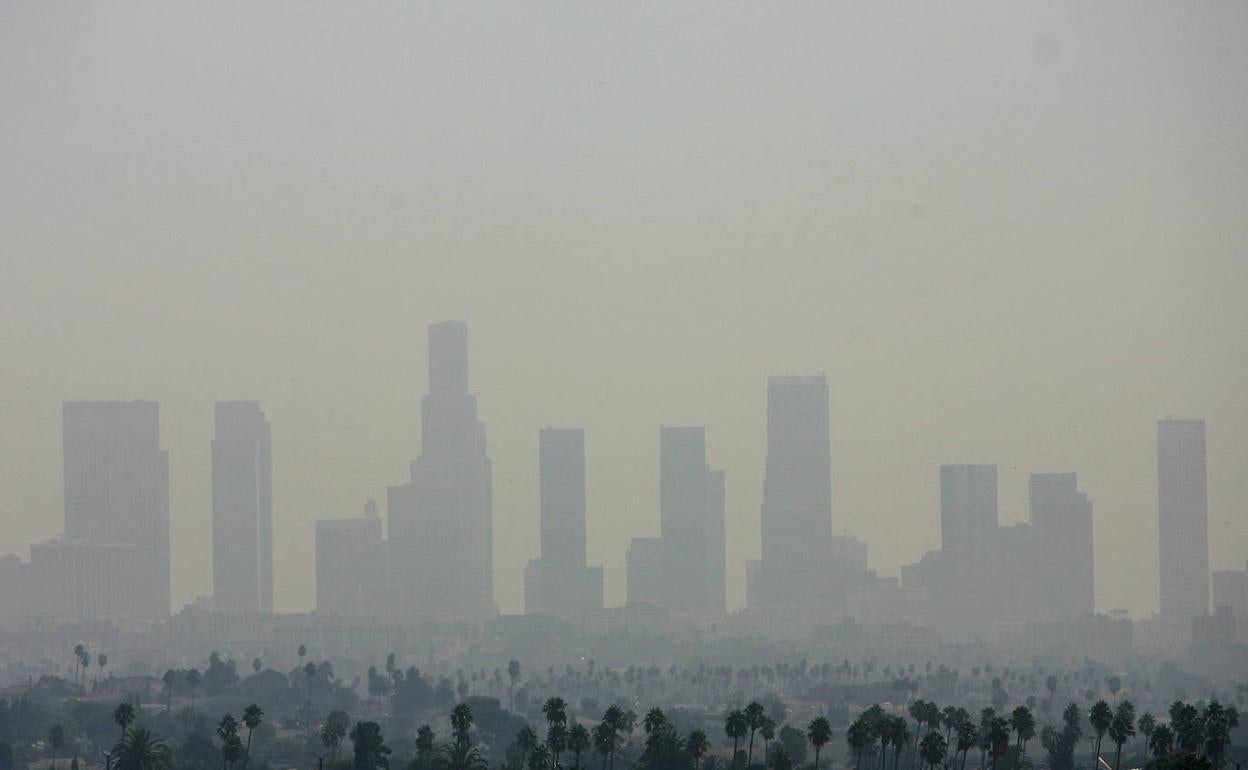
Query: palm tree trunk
(816, 758)
(749, 756)
(1118, 756)
(734, 751)
(247, 753)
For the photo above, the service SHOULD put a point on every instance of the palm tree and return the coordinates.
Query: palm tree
(539, 759)
(1185, 722)
(857, 736)
(79, 651)
(949, 718)
(368, 746)
(557, 742)
(697, 745)
(227, 731)
(604, 741)
(526, 740)
(933, 748)
(170, 679)
(968, 736)
(333, 730)
(301, 652)
(1147, 724)
(1162, 741)
(818, 733)
(101, 661)
(768, 731)
(124, 716)
(513, 676)
(735, 726)
(192, 681)
(140, 749)
(425, 745)
(653, 720)
(998, 739)
(578, 743)
(253, 715)
(56, 739)
(1024, 726)
(754, 717)
(1100, 717)
(900, 737)
(918, 710)
(1122, 728)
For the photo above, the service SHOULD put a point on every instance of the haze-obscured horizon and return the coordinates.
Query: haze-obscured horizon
(1008, 235)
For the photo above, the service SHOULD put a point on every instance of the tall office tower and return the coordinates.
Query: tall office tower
(559, 583)
(84, 581)
(969, 538)
(968, 507)
(242, 509)
(441, 522)
(797, 495)
(1230, 589)
(717, 548)
(644, 567)
(691, 500)
(117, 489)
(1183, 519)
(350, 566)
(1063, 585)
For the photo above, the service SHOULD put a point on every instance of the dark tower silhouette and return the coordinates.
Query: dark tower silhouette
(242, 509)
(797, 495)
(441, 522)
(559, 583)
(1183, 519)
(117, 489)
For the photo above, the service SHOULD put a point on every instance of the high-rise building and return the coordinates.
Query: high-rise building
(644, 566)
(1230, 589)
(1063, 582)
(797, 495)
(559, 583)
(84, 581)
(691, 513)
(968, 507)
(441, 521)
(117, 489)
(350, 565)
(242, 509)
(1183, 519)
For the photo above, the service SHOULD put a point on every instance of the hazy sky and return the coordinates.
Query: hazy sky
(1009, 233)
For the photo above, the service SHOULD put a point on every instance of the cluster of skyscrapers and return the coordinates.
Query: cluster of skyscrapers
(434, 557)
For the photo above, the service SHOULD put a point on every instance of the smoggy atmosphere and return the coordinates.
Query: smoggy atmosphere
(1007, 235)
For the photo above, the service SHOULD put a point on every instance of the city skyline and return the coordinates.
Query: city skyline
(104, 435)
(1010, 238)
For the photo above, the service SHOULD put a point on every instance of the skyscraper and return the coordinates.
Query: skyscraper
(797, 494)
(559, 583)
(441, 522)
(691, 512)
(1183, 519)
(350, 567)
(968, 536)
(644, 567)
(117, 489)
(968, 508)
(242, 509)
(1064, 584)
